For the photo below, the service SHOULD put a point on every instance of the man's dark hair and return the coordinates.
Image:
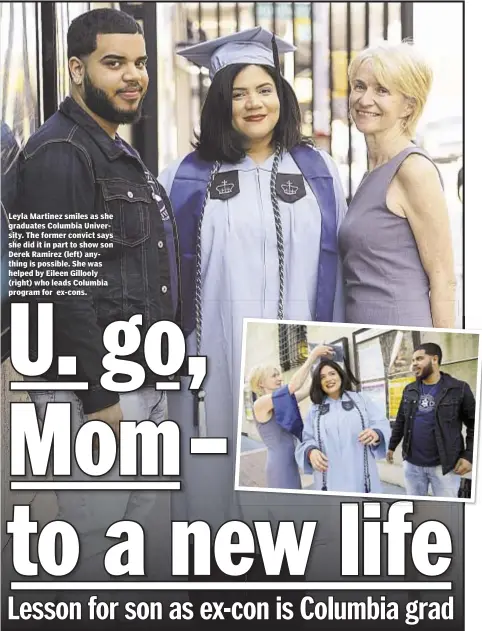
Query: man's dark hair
(431, 349)
(317, 395)
(218, 140)
(83, 30)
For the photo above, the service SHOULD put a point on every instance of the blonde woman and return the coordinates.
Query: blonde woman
(278, 417)
(395, 240)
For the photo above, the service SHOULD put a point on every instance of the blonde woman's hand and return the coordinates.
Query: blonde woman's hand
(318, 460)
(321, 350)
(369, 437)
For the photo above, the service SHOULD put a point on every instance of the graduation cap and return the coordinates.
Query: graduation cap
(252, 46)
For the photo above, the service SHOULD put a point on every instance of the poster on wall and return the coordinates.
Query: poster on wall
(395, 391)
(370, 360)
(376, 391)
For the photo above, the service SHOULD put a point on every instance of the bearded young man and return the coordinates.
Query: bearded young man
(430, 419)
(77, 164)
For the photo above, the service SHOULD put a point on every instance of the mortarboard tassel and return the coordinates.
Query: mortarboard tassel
(200, 413)
(279, 82)
(274, 47)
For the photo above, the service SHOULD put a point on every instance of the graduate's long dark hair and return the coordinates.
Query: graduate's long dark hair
(348, 380)
(218, 140)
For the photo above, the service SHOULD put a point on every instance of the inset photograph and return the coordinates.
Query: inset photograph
(347, 409)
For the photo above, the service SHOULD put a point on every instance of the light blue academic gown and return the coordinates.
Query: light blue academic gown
(240, 279)
(337, 438)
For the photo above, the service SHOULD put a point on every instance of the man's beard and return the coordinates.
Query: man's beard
(426, 372)
(99, 103)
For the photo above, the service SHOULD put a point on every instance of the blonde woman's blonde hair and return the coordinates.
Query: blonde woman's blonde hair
(403, 68)
(257, 374)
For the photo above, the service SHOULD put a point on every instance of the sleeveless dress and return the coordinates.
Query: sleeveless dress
(281, 467)
(385, 282)
(278, 434)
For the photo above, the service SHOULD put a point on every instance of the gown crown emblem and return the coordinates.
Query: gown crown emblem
(225, 187)
(289, 188)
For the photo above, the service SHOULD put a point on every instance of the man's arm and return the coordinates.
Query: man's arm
(397, 431)
(467, 413)
(467, 416)
(58, 179)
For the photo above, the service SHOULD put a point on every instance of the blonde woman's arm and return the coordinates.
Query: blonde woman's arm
(426, 210)
(263, 408)
(297, 386)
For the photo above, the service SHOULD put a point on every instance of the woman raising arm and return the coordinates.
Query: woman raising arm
(278, 418)
(263, 406)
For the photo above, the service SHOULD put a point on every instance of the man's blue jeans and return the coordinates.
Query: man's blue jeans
(418, 479)
(92, 512)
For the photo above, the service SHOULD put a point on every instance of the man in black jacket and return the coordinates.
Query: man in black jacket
(432, 413)
(76, 164)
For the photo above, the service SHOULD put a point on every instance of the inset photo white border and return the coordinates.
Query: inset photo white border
(339, 334)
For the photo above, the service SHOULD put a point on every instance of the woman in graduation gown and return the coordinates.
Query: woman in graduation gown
(344, 434)
(257, 212)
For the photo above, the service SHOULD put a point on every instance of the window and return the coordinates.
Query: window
(293, 345)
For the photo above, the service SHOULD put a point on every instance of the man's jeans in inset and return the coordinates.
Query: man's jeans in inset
(418, 479)
(92, 512)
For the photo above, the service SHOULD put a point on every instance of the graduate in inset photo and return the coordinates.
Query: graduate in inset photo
(344, 433)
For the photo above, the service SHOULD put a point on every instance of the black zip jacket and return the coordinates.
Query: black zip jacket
(454, 407)
(69, 166)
